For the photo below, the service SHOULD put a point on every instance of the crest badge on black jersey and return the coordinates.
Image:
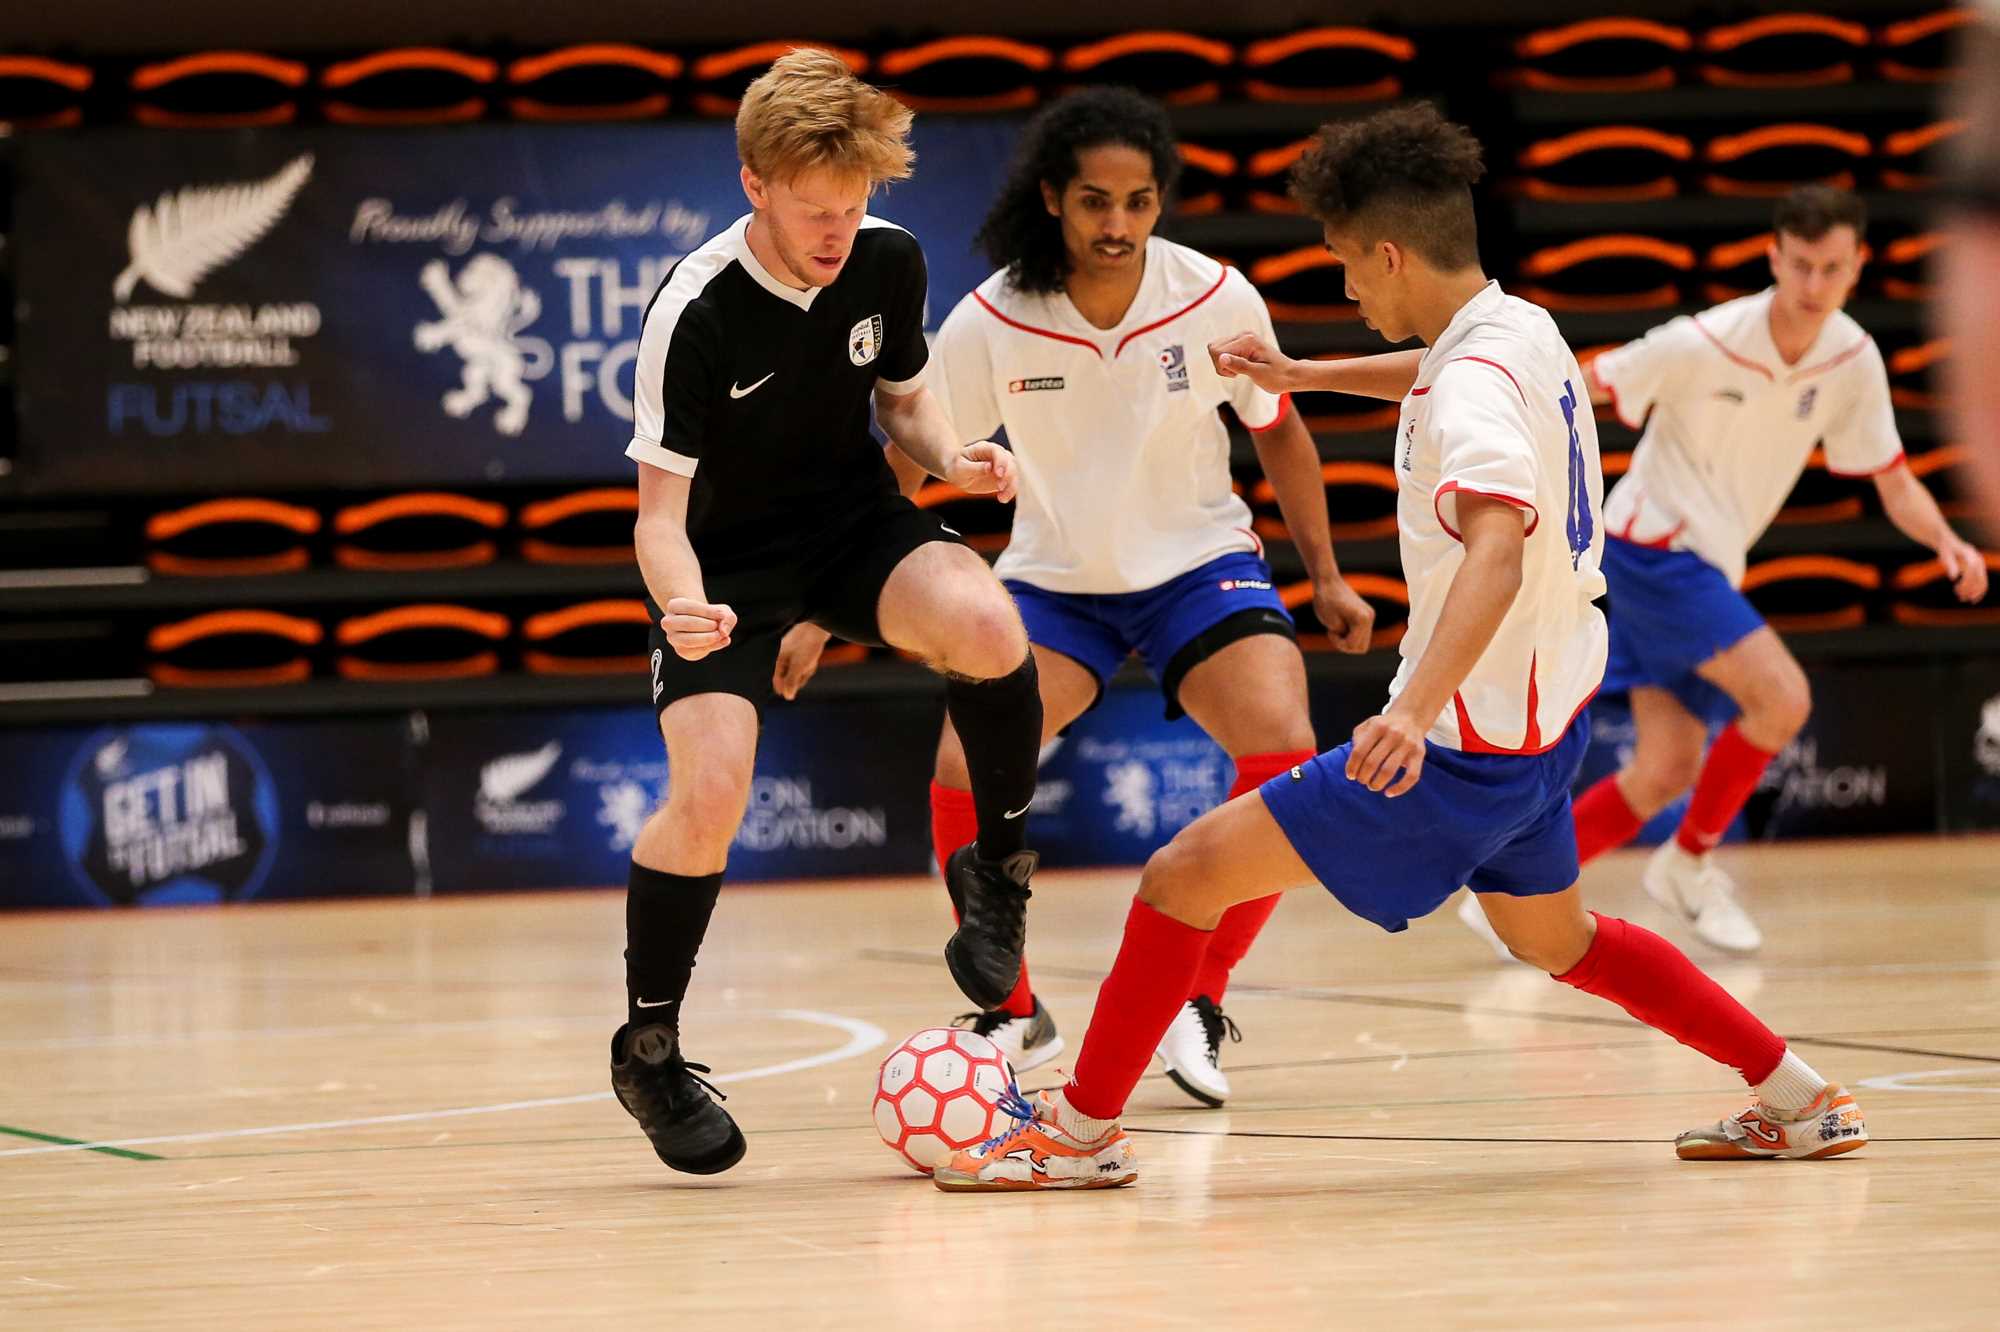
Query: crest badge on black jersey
(864, 340)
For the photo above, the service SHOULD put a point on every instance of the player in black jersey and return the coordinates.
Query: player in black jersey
(764, 501)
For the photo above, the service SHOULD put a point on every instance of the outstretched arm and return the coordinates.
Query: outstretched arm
(1915, 513)
(1390, 375)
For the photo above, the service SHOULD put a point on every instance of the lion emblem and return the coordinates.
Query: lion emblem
(1130, 789)
(483, 313)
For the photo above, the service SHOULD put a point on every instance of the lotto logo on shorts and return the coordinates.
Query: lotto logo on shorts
(1045, 384)
(1244, 585)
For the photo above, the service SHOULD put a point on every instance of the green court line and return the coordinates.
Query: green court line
(78, 1142)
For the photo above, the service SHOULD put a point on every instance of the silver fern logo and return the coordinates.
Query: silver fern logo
(182, 237)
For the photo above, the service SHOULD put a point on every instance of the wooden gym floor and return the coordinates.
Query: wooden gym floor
(396, 1115)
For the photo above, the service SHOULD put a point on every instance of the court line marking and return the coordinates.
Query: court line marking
(1504, 1142)
(1900, 1082)
(13, 1131)
(861, 1038)
(290, 1033)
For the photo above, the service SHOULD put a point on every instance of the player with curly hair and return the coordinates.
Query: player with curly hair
(1465, 776)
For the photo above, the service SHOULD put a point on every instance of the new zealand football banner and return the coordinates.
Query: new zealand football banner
(556, 799)
(154, 814)
(340, 307)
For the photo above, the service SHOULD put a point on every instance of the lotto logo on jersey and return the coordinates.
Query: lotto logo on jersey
(1173, 361)
(864, 340)
(1044, 384)
(1244, 585)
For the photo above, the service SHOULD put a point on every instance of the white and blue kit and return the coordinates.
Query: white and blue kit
(1728, 428)
(1128, 535)
(1500, 410)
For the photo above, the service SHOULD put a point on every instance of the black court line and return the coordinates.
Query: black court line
(1317, 995)
(1448, 1139)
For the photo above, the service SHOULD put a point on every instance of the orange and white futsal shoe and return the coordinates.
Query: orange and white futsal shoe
(1831, 1125)
(1038, 1153)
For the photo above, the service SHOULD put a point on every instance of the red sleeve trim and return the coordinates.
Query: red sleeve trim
(1743, 361)
(1220, 278)
(1889, 466)
(1497, 366)
(1284, 406)
(1030, 328)
(1451, 487)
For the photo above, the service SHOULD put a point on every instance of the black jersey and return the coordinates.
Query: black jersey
(761, 393)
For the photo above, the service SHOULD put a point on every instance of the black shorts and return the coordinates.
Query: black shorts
(833, 578)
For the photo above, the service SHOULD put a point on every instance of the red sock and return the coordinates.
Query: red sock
(1135, 1006)
(1728, 775)
(1241, 924)
(954, 822)
(1654, 982)
(1604, 821)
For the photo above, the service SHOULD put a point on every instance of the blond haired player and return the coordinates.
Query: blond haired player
(1464, 777)
(764, 501)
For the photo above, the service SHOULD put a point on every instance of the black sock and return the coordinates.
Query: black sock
(666, 916)
(999, 723)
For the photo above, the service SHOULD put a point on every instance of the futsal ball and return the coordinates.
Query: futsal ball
(939, 1093)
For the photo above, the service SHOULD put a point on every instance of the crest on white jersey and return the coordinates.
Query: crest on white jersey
(864, 340)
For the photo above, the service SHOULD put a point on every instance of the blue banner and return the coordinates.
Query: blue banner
(196, 812)
(352, 308)
(556, 799)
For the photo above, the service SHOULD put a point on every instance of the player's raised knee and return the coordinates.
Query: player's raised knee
(1182, 879)
(985, 639)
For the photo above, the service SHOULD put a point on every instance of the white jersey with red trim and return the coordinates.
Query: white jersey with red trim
(1122, 458)
(1500, 409)
(1731, 426)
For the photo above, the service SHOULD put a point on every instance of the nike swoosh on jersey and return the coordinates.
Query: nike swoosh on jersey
(736, 392)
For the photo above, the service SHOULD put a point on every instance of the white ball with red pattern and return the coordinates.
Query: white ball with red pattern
(939, 1093)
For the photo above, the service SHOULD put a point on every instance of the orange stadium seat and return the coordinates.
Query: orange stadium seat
(1599, 55)
(1606, 163)
(1910, 374)
(1179, 68)
(593, 81)
(1206, 175)
(217, 90)
(970, 73)
(1615, 272)
(1389, 596)
(587, 527)
(420, 642)
(1270, 177)
(1811, 593)
(38, 93)
(232, 649)
(1305, 285)
(1360, 502)
(412, 85)
(230, 536)
(1332, 64)
(1782, 51)
(1924, 596)
(1770, 160)
(1922, 49)
(721, 76)
(592, 638)
(1911, 158)
(420, 530)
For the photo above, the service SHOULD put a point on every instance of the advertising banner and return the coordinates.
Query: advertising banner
(555, 799)
(1968, 738)
(195, 812)
(1865, 762)
(340, 307)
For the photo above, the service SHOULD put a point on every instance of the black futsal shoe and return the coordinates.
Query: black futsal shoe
(689, 1131)
(992, 897)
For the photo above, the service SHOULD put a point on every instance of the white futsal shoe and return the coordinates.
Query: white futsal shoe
(1192, 1050)
(1473, 917)
(1830, 1126)
(1028, 1042)
(1695, 888)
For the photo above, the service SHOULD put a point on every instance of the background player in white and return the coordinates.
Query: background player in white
(1127, 536)
(1465, 776)
(1734, 399)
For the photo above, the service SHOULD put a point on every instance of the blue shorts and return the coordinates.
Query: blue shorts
(1173, 627)
(1671, 610)
(1497, 822)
